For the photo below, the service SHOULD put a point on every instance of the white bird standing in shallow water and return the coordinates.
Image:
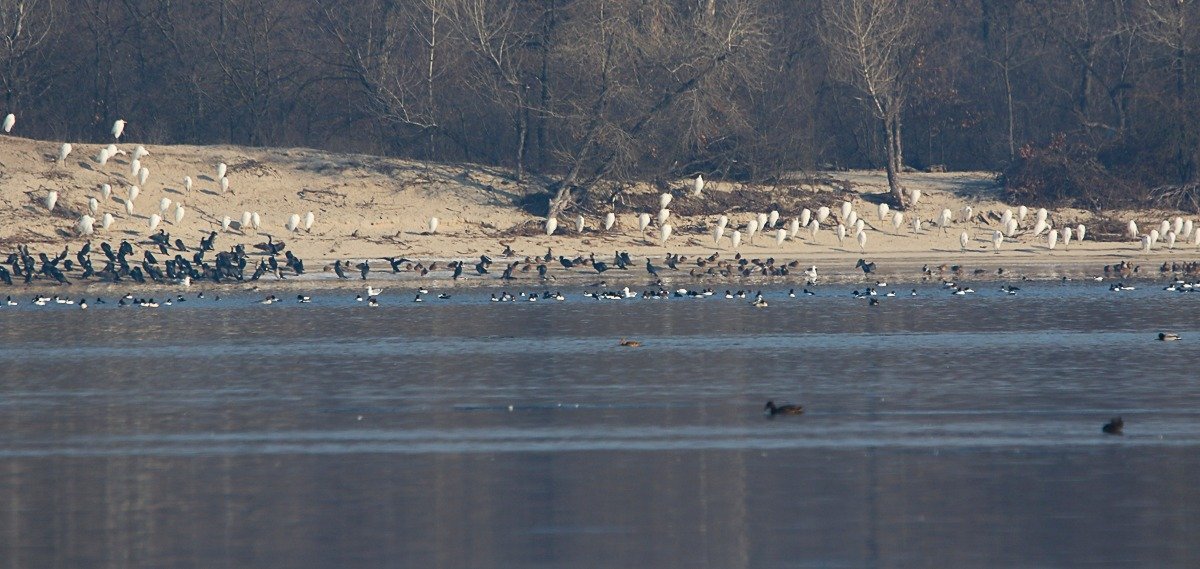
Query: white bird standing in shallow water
(51, 199)
(118, 129)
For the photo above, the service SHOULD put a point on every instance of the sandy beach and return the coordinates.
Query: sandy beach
(367, 207)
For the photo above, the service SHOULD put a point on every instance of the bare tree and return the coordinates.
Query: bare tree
(25, 27)
(868, 42)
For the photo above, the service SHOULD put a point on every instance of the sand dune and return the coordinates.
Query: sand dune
(372, 207)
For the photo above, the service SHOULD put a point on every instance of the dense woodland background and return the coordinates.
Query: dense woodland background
(1091, 101)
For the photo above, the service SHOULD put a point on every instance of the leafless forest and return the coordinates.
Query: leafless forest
(1093, 101)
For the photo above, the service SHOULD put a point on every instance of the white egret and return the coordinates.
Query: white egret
(1004, 219)
(663, 214)
(805, 217)
(133, 192)
(102, 157)
(967, 211)
(698, 185)
(245, 221)
(1022, 211)
(859, 225)
(963, 239)
(118, 129)
(51, 199)
(898, 221)
(9, 121)
(433, 224)
(179, 212)
(139, 152)
(187, 184)
(736, 239)
(224, 185)
(255, 220)
(1052, 239)
(762, 221)
(579, 224)
(1170, 240)
(1154, 236)
(813, 228)
(643, 223)
(128, 207)
(1146, 243)
(841, 234)
(610, 218)
(85, 225)
(551, 225)
(916, 197)
(113, 150)
(851, 219)
(665, 233)
(1010, 229)
(163, 204)
(106, 221)
(309, 218)
(143, 175)
(862, 241)
(93, 205)
(944, 219)
(1196, 237)
(105, 191)
(1164, 228)
(63, 151)
(135, 166)
(1133, 229)
(751, 229)
(155, 219)
(997, 240)
(221, 169)
(723, 222)
(780, 236)
(1177, 225)
(1039, 227)
(225, 222)
(847, 207)
(293, 223)
(883, 211)
(822, 214)
(718, 232)
(793, 228)
(772, 218)
(1188, 226)
(916, 224)
(1080, 231)
(664, 200)
(1067, 233)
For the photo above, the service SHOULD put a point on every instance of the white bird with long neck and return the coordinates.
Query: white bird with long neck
(698, 185)
(780, 236)
(793, 228)
(610, 219)
(103, 156)
(862, 241)
(118, 129)
(822, 214)
(93, 205)
(664, 233)
(51, 199)
(163, 204)
(736, 239)
(135, 166)
(187, 184)
(106, 221)
(1133, 229)
(64, 151)
(963, 239)
(897, 221)
(309, 218)
(9, 121)
(847, 207)
(433, 225)
(155, 219)
(805, 217)
(751, 229)
(841, 234)
(179, 213)
(852, 219)
(579, 224)
(997, 240)
(643, 223)
(551, 225)
(883, 211)
(221, 169)
(255, 220)
(143, 175)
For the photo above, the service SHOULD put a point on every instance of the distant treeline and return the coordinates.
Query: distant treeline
(581, 90)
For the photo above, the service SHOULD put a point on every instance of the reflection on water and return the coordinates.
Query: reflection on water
(941, 431)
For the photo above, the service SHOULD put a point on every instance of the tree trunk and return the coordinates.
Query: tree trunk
(891, 135)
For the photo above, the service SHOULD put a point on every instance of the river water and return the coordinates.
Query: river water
(941, 431)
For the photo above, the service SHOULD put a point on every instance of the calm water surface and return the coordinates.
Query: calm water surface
(941, 431)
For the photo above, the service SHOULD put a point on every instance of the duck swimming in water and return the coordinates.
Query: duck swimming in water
(1115, 426)
(786, 409)
(1168, 336)
(630, 343)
